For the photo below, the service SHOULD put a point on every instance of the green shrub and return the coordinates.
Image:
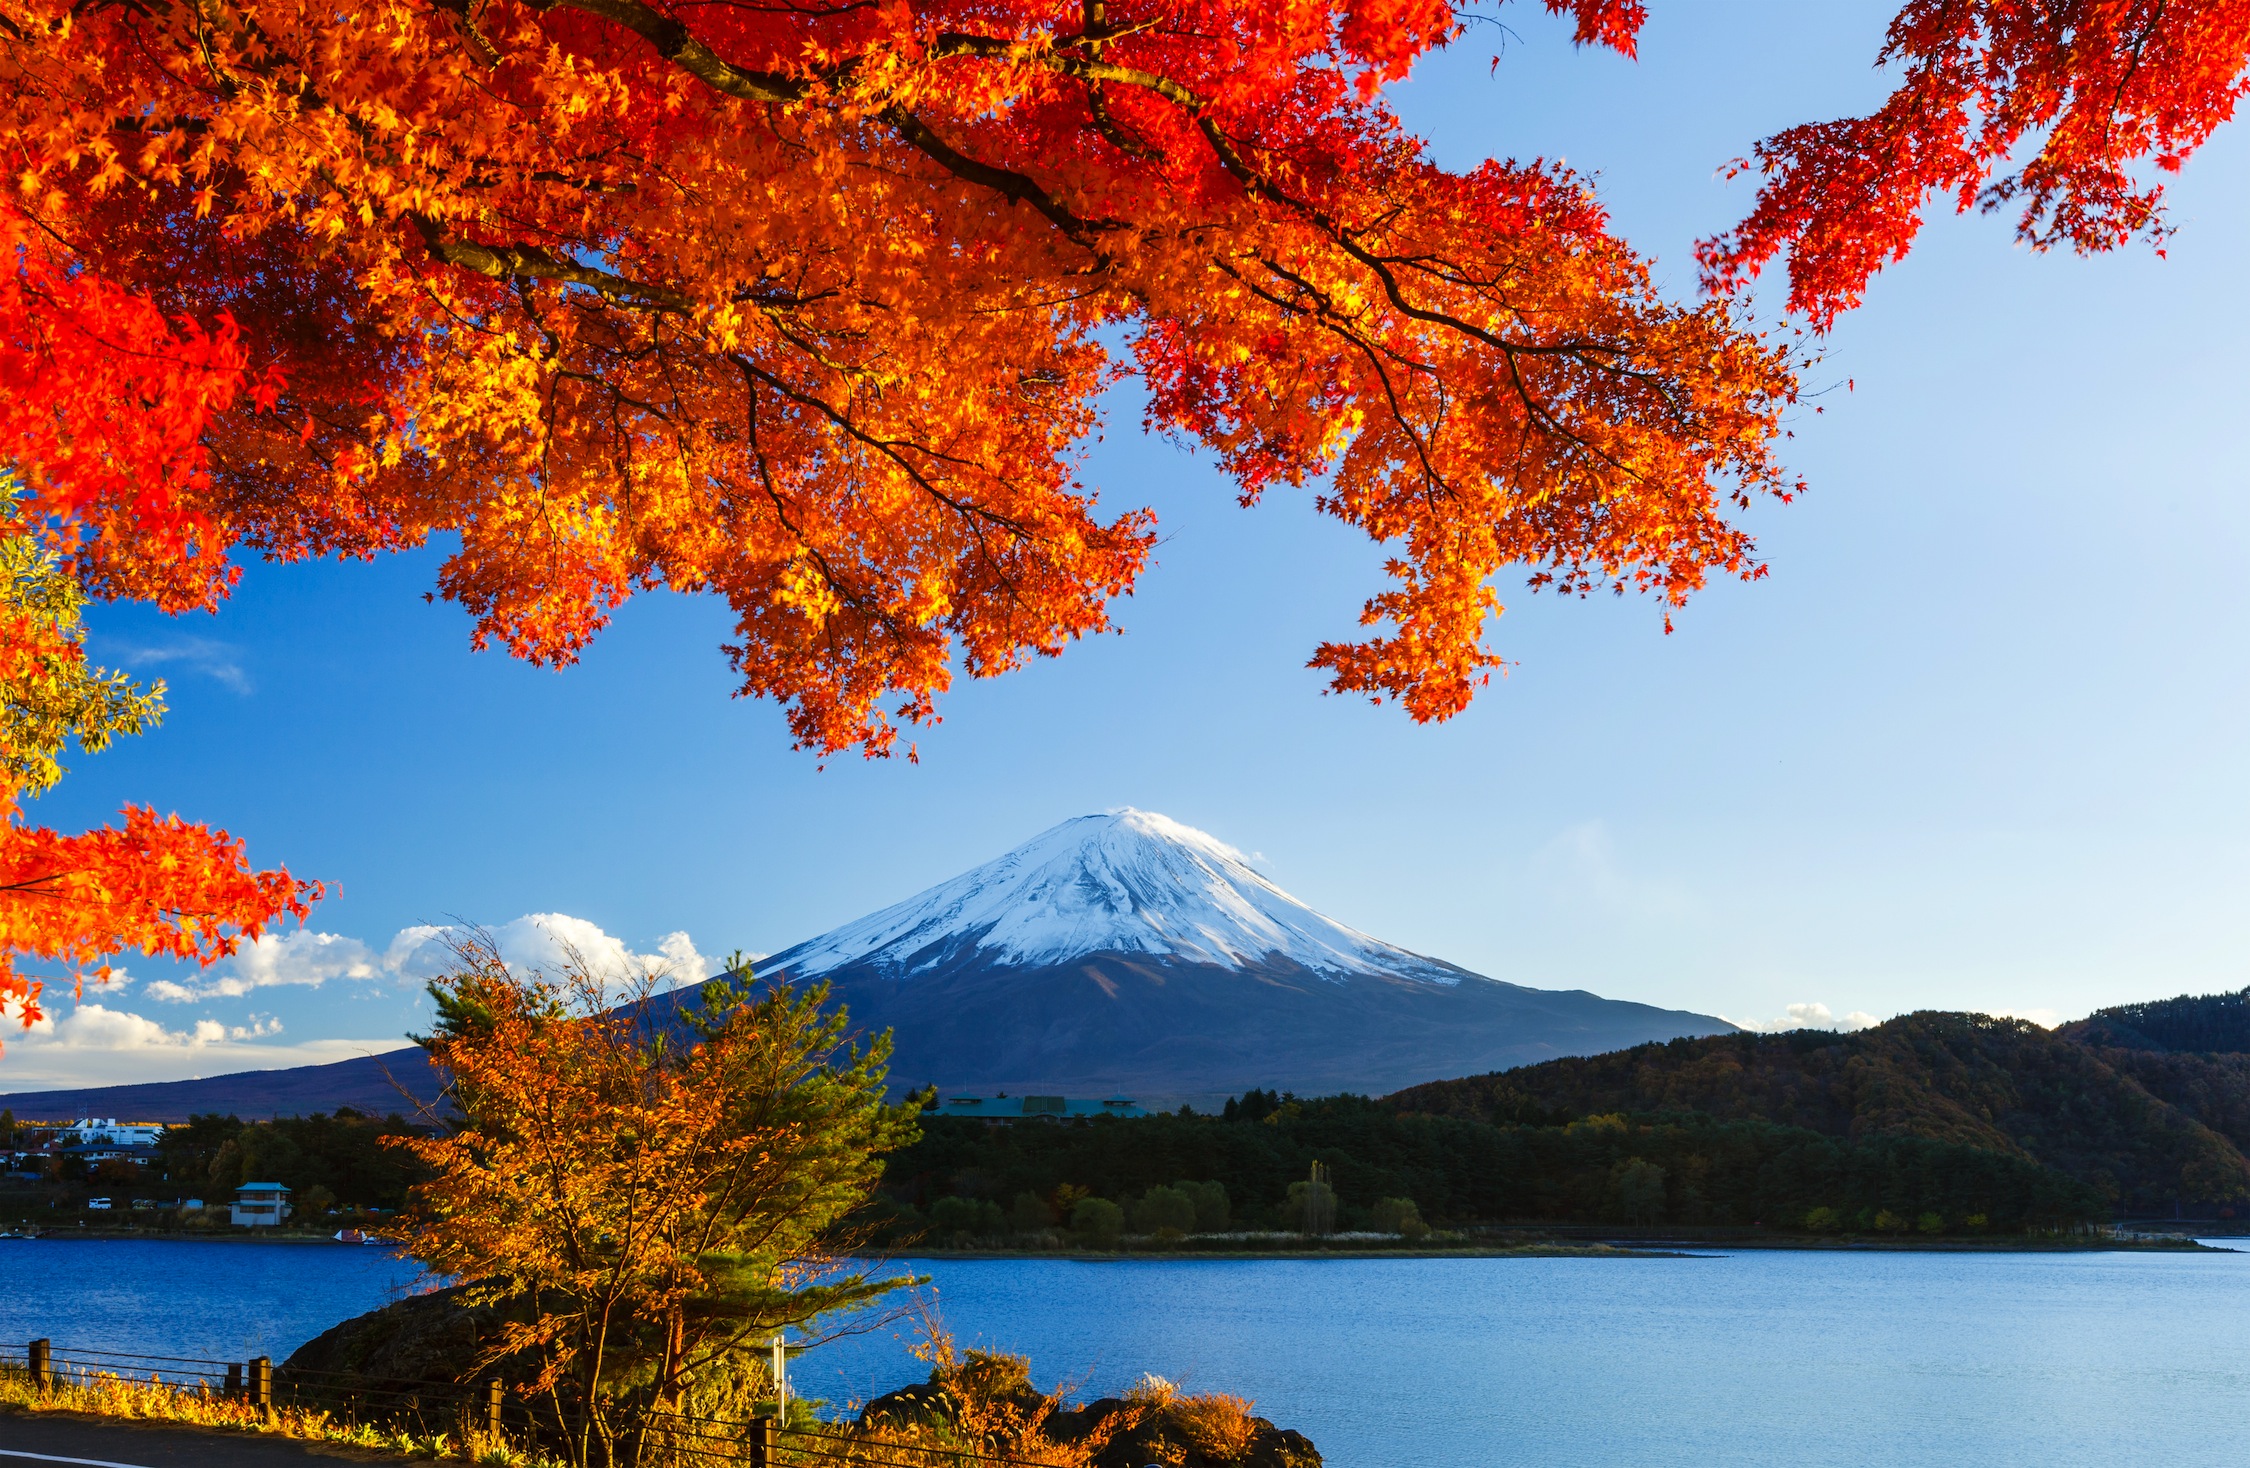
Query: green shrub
(1210, 1199)
(1398, 1216)
(1097, 1220)
(1164, 1208)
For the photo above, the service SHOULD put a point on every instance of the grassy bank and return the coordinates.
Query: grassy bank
(118, 1398)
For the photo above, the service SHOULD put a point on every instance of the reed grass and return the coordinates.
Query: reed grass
(109, 1394)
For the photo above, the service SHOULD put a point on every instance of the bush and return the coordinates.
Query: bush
(967, 1217)
(1029, 1214)
(1398, 1216)
(1931, 1223)
(1164, 1208)
(1210, 1199)
(1097, 1220)
(1823, 1220)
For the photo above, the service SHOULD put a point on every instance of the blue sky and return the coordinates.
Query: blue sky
(1975, 742)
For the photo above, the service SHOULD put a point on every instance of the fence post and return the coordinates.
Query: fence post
(233, 1388)
(261, 1383)
(762, 1442)
(41, 1363)
(492, 1403)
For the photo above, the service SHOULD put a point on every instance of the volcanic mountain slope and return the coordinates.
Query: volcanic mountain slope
(1128, 953)
(1115, 953)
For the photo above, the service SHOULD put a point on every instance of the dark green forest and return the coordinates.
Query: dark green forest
(2145, 1129)
(2208, 1023)
(968, 1179)
(323, 1160)
(1934, 1122)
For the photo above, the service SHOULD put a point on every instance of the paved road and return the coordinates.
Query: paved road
(29, 1440)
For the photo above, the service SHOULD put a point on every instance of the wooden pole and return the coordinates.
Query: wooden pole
(492, 1401)
(233, 1387)
(42, 1357)
(763, 1441)
(261, 1383)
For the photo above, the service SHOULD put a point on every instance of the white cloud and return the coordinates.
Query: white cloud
(548, 940)
(95, 1045)
(273, 959)
(1807, 1017)
(536, 940)
(98, 1027)
(205, 655)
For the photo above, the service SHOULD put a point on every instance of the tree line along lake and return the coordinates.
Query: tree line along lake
(1761, 1356)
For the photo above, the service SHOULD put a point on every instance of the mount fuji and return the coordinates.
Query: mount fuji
(1117, 953)
(1129, 953)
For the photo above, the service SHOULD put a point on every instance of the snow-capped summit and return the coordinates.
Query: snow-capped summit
(1127, 882)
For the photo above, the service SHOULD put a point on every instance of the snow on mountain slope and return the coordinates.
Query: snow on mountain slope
(1129, 881)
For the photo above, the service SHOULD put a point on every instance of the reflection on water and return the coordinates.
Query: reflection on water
(1799, 1359)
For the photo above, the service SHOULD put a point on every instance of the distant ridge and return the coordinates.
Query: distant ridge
(367, 1083)
(2212, 1024)
(2152, 1131)
(1115, 953)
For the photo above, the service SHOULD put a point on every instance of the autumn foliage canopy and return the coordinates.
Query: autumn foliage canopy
(811, 305)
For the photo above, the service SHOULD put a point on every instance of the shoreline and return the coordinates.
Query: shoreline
(1676, 1248)
(113, 1236)
(1680, 1245)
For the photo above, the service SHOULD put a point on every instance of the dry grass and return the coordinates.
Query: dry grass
(1220, 1426)
(102, 1394)
(1217, 1426)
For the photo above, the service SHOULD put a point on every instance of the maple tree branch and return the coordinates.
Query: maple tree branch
(467, 25)
(522, 262)
(1018, 188)
(1094, 71)
(676, 44)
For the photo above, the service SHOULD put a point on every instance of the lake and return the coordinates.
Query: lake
(1755, 1357)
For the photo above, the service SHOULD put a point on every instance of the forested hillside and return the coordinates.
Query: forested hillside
(2142, 1127)
(2199, 1023)
(966, 1178)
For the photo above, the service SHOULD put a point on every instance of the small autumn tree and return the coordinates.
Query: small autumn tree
(645, 1191)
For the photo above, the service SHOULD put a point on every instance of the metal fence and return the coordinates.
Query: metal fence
(473, 1413)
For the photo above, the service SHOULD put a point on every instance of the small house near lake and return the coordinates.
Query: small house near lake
(260, 1205)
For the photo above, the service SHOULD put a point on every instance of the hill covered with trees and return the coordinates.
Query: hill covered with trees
(2144, 1126)
(2199, 1023)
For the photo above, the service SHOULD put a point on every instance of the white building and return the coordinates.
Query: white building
(112, 1132)
(260, 1205)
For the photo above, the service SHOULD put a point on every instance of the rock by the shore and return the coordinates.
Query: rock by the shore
(425, 1341)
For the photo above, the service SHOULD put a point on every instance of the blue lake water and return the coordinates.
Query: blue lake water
(1802, 1359)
